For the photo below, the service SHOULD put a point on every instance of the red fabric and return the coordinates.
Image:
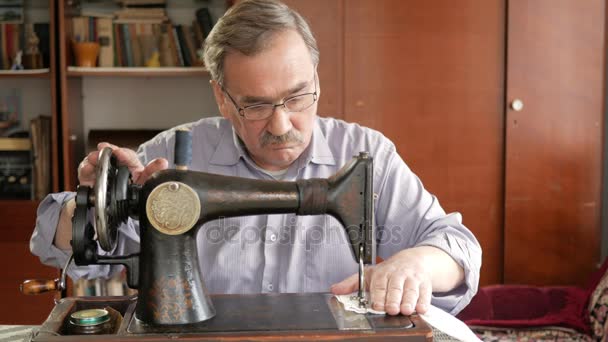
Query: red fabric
(520, 306)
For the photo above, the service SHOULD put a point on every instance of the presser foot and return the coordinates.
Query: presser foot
(361, 297)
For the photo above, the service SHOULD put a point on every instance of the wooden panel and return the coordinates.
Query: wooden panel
(20, 220)
(553, 180)
(54, 101)
(326, 19)
(430, 76)
(18, 264)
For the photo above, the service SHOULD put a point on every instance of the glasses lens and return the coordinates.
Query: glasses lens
(300, 103)
(295, 104)
(258, 112)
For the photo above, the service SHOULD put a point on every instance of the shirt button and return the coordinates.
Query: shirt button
(273, 237)
(270, 287)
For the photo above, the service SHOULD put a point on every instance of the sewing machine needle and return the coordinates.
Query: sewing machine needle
(361, 294)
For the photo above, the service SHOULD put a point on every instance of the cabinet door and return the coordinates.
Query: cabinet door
(326, 20)
(18, 264)
(430, 76)
(555, 68)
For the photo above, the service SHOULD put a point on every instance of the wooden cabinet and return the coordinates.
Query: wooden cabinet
(18, 264)
(430, 76)
(433, 77)
(39, 96)
(556, 69)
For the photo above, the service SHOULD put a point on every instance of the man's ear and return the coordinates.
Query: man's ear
(220, 98)
(318, 84)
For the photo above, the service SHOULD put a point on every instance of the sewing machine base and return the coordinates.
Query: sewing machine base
(245, 317)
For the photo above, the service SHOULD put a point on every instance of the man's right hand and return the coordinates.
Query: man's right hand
(86, 176)
(125, 156)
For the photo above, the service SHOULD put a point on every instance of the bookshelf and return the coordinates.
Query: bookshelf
(138, 71)
(37, 94)
(126, 97)
(31, 73)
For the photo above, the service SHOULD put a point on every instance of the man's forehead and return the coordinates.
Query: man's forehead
(284, 63)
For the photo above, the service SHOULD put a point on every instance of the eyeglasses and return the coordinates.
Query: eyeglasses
(263, 111)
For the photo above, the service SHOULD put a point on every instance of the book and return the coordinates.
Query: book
(183, 47)
(118, 46)
(166, 54)
(42, 31)
(177, 45)
(105, 37)
(142, 2)
(189, 44)
(203, 16)
(40, 134)
(3, 64)
(80, 29)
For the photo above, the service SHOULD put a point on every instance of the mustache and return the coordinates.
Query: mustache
(293, 136)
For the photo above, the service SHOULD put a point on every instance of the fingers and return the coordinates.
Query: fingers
(124, 156)
(398, 291)
(86, 169)
(346, 286)
(411, 291)
(378, 289)
(424, 297)
(153, 166)
(394, 294)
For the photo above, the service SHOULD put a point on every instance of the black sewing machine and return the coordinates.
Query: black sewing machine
(172, 300)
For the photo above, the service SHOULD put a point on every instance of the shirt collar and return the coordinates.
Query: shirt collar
(229, 149)
(318, 152)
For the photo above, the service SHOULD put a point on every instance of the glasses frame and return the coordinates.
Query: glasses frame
(241, 110)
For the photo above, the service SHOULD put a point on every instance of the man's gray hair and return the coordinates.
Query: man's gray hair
(246, 28)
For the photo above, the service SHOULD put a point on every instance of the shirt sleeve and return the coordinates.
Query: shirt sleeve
(41, 242)
(407, 215)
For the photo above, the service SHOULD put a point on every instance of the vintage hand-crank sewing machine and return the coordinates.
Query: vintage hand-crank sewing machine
(172, 301)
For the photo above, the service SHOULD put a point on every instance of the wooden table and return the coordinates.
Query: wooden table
(260, 317)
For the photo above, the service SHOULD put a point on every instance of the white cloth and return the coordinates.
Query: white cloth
(434, 317)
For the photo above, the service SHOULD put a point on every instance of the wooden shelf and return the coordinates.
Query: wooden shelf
(31, 73)
(138, 72)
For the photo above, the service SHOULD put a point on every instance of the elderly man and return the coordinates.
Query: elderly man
(263, 61)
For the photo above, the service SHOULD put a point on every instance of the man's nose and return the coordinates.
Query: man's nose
(280, 122)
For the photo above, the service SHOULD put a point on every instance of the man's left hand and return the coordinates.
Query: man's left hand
(400, 284)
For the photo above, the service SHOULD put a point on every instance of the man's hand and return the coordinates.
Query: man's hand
(86, 176)
(404, 282)
(125, 156)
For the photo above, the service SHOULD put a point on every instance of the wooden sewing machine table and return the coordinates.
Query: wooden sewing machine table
(267, 317)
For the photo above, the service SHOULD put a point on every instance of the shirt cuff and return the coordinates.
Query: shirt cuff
(468, 256)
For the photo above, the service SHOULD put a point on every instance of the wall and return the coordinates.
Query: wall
(145, 103)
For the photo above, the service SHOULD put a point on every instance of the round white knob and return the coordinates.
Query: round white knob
(517, 105)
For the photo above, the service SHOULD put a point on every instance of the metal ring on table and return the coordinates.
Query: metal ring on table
(101, 190)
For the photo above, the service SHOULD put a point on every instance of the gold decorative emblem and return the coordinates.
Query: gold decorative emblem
(173, 208)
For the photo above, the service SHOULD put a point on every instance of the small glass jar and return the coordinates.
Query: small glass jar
(90, 322)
